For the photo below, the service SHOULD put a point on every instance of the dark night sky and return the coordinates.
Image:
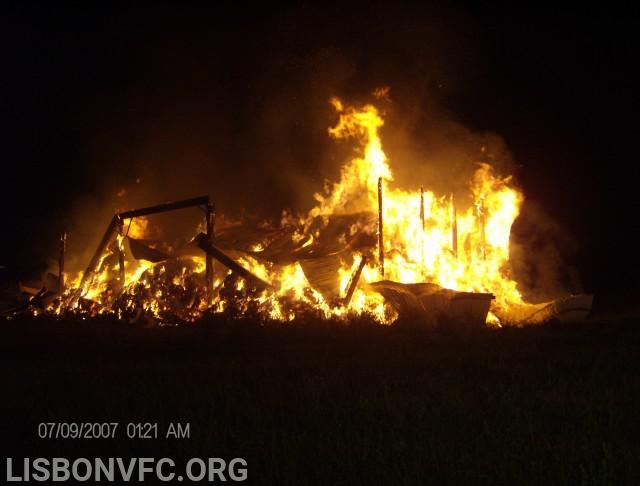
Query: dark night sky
(195, 100)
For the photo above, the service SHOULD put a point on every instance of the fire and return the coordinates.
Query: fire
(136, 227)
(356, 190)
(457, 241)
(465, 251)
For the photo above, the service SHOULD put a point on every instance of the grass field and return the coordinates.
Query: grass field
(326, 404)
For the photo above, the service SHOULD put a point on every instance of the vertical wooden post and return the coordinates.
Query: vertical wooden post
(483, 229)
(120, 243)
(422, 207)
(422, 224)
(63, 248)
(380, 229)
(210, 221)
(454, 227)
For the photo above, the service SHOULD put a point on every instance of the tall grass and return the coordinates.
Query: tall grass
(324, 403)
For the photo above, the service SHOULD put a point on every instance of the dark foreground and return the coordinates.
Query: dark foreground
(322, 404)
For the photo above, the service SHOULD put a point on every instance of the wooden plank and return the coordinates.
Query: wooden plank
(213, 251)
(353, 282)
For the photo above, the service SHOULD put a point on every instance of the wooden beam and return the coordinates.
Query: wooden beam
(380, 229)
(62, 250)
(209, 222)
(353, 281)
(163, 208)
(121, 256)
(422, 235)
(93, 263)
(454, 227)
(213, 251)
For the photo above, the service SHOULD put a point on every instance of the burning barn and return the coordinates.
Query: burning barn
(366, 247)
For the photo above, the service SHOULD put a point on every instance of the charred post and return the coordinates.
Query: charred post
(422, 224)
(210, 221)
(483, 229)
(121, 270)
(353, 281)
(422, 207)
(380, 229)
(61, 255)
(454, 227)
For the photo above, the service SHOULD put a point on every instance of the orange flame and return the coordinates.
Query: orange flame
(426, 239)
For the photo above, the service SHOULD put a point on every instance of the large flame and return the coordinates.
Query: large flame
(465, 251)
(427, 237)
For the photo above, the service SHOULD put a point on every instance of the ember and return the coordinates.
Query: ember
(361, 250)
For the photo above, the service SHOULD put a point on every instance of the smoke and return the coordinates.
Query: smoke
(541, 256)
(237, 108)
(241, 113)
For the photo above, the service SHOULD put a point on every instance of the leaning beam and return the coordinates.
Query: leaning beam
(93, 263)
(213, 251)
(353, 282)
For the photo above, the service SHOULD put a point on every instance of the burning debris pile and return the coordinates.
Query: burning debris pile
(367, 247)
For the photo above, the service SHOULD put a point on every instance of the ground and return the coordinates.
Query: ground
(318, 403)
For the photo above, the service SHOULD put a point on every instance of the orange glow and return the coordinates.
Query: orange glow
(426, 239)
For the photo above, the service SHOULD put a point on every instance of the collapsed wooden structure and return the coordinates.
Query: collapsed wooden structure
(423, 304)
